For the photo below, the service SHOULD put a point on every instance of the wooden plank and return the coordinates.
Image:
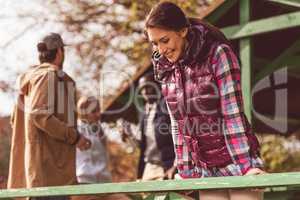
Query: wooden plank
(291, 62)
(176, 196)
(279, 62)
(245, 56)
(234, 182)
(217, 13)
(278, 195)
(263, 26)
(293, 66)
(294, 3)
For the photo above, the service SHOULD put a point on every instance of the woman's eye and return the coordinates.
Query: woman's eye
(165, 41)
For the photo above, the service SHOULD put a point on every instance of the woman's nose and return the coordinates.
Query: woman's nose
(161, 50)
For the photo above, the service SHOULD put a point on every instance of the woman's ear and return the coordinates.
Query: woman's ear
(183, 32)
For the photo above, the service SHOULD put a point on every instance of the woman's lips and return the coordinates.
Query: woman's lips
(169, 55)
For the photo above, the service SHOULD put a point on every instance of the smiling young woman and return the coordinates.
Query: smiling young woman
(200, 78)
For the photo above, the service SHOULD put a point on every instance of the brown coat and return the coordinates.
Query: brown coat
(44, 130)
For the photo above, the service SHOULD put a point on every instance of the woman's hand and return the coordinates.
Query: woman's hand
(255, 171)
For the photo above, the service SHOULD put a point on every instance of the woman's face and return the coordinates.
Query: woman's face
(169, 43)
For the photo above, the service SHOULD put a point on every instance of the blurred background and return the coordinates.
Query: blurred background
(107, 53)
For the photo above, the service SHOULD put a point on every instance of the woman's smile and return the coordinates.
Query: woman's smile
(169, 54)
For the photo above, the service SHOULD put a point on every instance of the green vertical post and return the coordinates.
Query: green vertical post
(245, 55)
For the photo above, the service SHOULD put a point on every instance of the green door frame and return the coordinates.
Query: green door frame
(246, 30)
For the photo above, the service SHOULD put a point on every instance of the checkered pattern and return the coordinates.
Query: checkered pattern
(227, 74)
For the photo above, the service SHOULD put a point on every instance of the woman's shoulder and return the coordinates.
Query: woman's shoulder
(222, 48)
(222, 52)
(224, 58)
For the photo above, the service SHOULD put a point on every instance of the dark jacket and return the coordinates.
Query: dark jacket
(163, 137)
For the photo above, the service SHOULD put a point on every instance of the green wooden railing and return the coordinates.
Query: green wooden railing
(277, 186)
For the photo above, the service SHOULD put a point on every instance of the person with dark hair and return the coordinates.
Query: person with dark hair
(200, 79)
(45, 135)
(156, 161)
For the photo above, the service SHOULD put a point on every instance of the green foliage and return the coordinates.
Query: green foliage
(277, 156)
(97, 24)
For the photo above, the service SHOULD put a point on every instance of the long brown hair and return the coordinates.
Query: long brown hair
(167, 15)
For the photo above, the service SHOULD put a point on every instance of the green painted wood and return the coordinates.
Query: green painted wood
(294, 3)
(294, 66)
(291, 179)
(150, 197)
(279, 62)
(245, 11)
(291, 62)
(263, 26)
(245, 56)
(157, 196)
(278, 195)
(176, 196)
(220, 11)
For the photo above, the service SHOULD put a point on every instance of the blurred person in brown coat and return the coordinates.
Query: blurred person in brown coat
(45, 136)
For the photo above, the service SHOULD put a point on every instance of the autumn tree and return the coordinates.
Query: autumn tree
(107, 31)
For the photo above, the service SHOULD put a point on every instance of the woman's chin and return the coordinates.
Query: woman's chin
(171, 60)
